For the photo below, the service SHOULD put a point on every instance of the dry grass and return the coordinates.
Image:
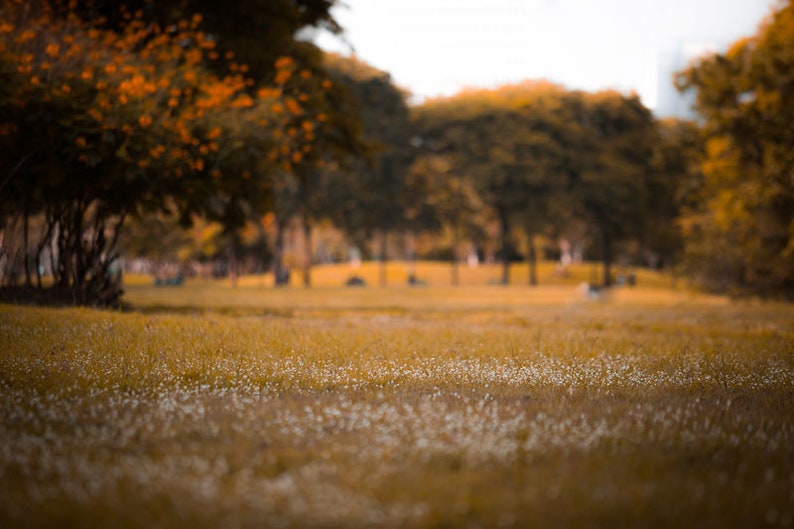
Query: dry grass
(256, 295)
(400, 407)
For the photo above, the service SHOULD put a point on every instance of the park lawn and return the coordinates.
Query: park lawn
(488, 406)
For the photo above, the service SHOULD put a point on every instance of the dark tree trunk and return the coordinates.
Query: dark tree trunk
(383, 258)
(81, 236)
(26, 247)
(505, 234)
(307, 253)
(232, 257)
(280, 273)
(45, 240)
(606, 255)
(532, 259)
(454, 259)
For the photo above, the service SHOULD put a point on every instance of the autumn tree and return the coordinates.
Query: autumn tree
(98, 125)
(372, 196)
(254, 35)
(506, 142)
(333, 139)
(445, 199)
(255, 32)
(610, 169)
(740, 233)
(674, 177)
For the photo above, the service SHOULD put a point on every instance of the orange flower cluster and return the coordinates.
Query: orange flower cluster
(152, 98)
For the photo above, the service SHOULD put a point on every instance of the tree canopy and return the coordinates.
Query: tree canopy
(195, 113)
(99, 124)
(539, 154)
(740, 232)
(371, 196)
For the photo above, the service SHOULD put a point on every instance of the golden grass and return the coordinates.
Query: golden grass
(256, 293)
(402, 407)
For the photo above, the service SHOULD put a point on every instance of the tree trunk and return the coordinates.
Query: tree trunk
(45, 240)
(455, 280)
(532, 259)
(383, 259)
(280, 274)
(505, 234)
(307, 253)
(409, 246)
(25, 246)
(232, 256)
(606, 256)
(7, 250)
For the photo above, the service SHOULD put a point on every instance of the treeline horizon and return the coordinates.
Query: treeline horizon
(128, 128)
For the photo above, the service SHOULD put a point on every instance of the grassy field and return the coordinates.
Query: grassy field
(485, 406)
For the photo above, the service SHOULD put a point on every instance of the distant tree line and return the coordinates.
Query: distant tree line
(186, 131)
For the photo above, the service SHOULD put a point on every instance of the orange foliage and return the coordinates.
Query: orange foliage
(293, 106)
(125, 79)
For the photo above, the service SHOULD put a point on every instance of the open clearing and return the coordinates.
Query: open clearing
(481, 406)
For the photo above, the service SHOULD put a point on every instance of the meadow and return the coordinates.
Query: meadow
(476, 406)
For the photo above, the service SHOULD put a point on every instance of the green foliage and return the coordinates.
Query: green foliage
(740, 232)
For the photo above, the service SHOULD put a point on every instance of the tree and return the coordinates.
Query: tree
(739, 236)
(610, 168)
(255, 32)
(375, 188)
(97, 125)
(444, 199)
(506, 141)
(254, 36)
(674, 176)
(336, 136)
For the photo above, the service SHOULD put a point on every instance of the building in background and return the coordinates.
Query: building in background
(669, 101)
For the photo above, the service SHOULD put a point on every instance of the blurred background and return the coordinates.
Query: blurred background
(187, 140)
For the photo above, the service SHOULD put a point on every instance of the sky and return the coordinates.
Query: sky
(438, 47)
